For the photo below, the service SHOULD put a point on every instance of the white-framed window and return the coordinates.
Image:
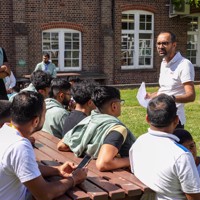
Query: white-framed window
(64, 47)
(193, 36)
(137, 39)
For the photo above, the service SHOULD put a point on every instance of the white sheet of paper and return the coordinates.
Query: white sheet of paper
(141, 95)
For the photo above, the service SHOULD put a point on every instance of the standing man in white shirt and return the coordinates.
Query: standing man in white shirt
(176, 74)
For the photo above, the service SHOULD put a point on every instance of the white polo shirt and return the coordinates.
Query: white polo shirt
(165, 166)
(172, 76)
(17, 164)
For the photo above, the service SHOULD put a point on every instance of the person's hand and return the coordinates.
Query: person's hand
(150, 95)
(5, 68)
(66, 169)
(79, 175)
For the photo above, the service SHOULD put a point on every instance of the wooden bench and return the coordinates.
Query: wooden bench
(116, 184)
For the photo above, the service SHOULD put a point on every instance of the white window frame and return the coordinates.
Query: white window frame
(136, 33)
(197, 33)
(61, 48)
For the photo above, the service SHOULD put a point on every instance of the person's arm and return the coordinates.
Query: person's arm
(189, 95)
(61, 146)
(151, 95)
(107, 159)
(192, 196)
(44, 190)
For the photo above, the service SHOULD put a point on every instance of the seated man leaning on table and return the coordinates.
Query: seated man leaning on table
(159, 161)
(101, 135)
(20, 175)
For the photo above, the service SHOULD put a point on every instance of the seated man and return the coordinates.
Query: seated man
(40, 82)
(102, 135)
(20, 174)
(81, 93)
(159, 161)
(4, 112)
(56, 106)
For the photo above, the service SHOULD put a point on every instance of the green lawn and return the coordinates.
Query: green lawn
(133, 115)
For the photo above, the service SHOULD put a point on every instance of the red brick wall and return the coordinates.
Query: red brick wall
(22, 23)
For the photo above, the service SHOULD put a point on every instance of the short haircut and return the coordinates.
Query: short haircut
(58, 85)
(172, 35)
(74, 79)
(40, 79)
(183, 135)
(161, 110)
(46, 55)
(5, 106)
(82, 91)
(26, 106)
(104, 94)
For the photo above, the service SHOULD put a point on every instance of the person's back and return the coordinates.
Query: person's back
(159, 161)
(56, 113)
(81, 93)
(101, 134)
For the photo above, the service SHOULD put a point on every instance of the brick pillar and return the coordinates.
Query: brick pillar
(107, 34)
(6, 34)
(21, 37)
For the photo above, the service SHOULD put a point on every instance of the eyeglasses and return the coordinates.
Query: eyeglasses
(163, 43)
(121, 101)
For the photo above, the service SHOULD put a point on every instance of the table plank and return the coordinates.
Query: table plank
(115, 184)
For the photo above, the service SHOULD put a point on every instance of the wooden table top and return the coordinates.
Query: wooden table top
(116, 184)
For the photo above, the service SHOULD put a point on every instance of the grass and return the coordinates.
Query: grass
(133, 115)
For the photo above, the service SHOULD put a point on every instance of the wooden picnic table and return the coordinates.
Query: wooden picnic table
(113, 185)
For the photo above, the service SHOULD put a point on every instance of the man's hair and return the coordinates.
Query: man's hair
(26, 105)
(161, 110)
(5, 106)
(82, 91)
(183, 135)
(40, 79)
(58, 85)
(74, 79)
(46, 55)
(104, 94)
(172, 35)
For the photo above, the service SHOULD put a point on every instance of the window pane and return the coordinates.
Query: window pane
(75, 54)
(68, 54)
(127, 46)
(76, 45)
(75, 63)
(127, 21)
(68, 45)
(145, 22)
(68, 63)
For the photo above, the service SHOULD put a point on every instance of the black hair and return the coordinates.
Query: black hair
(161, 110)
(74, 79)
(5, 106)
(104, 94)
(82, 91)
(58, 85)
(172, 35)
(46, 55)
(26, 105)
(40, 79)
(183, 135)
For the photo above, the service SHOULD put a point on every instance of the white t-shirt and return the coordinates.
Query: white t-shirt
(18, 164)
(172, 76)
(165, 166)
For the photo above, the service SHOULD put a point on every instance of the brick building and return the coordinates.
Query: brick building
(114, 39)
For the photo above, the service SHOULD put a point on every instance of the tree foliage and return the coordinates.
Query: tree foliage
(178, 3)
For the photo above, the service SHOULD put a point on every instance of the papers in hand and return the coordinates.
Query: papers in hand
(141, 95)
